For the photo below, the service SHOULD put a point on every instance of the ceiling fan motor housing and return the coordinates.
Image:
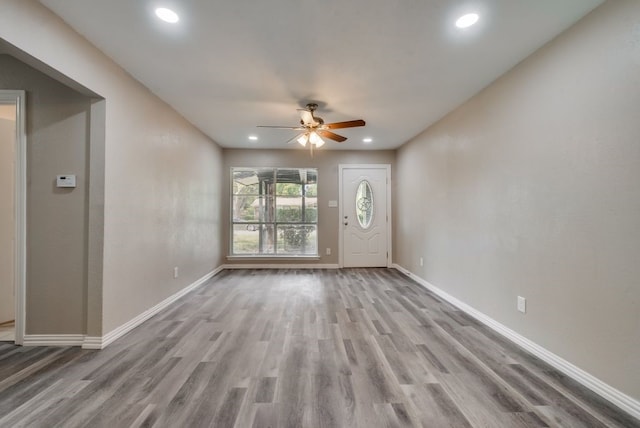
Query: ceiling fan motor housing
(319, 121)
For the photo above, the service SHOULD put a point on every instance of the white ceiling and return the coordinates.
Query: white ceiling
(228, 66)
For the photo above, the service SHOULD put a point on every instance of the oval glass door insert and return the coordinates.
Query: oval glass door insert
(364, 204)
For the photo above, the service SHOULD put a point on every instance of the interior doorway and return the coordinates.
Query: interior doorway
(365, 215)
(12, 219)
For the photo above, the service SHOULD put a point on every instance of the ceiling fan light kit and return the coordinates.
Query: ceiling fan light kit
(311, 138)
(313, 128)
(303, 139)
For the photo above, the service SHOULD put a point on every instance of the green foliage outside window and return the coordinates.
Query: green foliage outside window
(274, 211)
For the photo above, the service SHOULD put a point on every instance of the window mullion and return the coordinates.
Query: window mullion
(257, 195)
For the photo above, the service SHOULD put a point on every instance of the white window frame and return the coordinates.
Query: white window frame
(275, 223)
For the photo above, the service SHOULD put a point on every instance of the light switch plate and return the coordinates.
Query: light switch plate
(333, 204)
(522, 304)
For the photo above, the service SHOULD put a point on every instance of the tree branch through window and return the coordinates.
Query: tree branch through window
(274, 211)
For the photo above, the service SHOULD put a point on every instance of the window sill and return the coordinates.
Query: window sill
(268, 257)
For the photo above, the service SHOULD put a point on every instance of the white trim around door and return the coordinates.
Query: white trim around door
(18, 98)
(341, 168)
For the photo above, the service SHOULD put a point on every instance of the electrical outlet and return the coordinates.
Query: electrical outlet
(328, 251)
(421, 261)
(522, 304)
(175, 272)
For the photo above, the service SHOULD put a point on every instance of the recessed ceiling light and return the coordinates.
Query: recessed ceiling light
(253, 137)
(367, 140)
(467, 20)
(167, 15)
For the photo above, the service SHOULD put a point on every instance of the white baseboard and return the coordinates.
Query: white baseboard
(280, 266)
(606, 391)
(92, 342)
(53, 339)
(95, 342)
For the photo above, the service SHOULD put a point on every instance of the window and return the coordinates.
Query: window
(274, 211)
(364, 204)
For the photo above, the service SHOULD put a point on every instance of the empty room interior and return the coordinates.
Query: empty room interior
(316, 214)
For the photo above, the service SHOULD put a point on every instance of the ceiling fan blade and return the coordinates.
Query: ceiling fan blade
(347, 124)
(330, 135)
(294, 139)
(297, 128)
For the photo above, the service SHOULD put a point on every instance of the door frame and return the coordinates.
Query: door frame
(20, 207)
(387, 168)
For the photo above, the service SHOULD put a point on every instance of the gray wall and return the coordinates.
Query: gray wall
(57, 143)
(532, 188)
(326, 161)
(162, 187)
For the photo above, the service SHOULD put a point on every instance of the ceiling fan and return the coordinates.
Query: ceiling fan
(312, 128)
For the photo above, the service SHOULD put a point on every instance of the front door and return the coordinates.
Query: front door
(364, 215)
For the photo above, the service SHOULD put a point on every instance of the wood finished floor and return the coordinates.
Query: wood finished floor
(298, 348)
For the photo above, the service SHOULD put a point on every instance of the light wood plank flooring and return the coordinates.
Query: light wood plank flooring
(298, 348)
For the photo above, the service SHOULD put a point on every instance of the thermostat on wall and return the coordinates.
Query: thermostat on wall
(66, 180)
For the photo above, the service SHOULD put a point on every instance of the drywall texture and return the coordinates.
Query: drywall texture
(7, 211)
(326, 161)
(532, 188)
(161, 180)
(56, 218)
